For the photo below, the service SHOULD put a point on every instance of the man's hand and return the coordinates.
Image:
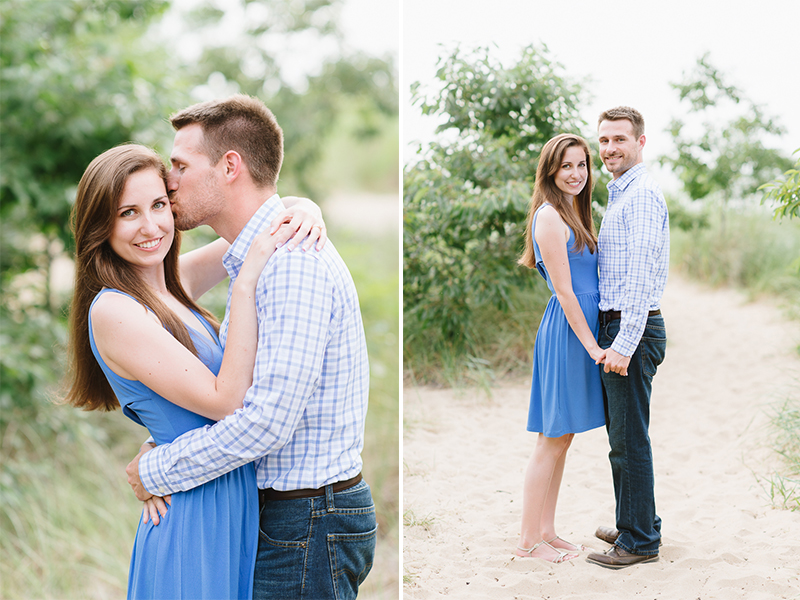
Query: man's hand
(616, 363)
(133, 474)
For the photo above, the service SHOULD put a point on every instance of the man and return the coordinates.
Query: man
(303, 418)
(633, 262)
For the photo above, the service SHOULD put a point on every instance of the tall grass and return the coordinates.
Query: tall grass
(783, 485)
(68, 517)
(502, 344)
(745, 249)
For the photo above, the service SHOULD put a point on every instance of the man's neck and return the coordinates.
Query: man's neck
(615, 176)
(240, 210)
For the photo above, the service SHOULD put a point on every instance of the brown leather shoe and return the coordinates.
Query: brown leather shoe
(607, 534)
(617, 558)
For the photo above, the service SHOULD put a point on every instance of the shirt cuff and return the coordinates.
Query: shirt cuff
(624, 346)
(151, 475)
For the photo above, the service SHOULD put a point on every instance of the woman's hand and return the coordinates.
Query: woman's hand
(263, 246)
(155, 508)
(304, 219)
(598, 355)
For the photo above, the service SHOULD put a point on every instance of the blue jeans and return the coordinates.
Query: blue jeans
(316, 548)
(627, 403)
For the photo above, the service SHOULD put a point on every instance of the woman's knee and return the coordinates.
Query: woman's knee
(556, 446)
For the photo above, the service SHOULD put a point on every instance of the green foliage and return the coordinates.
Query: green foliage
(310, 109)
(465, 200)
(77, 79)
(783, 487)
(751, 251)
(785, 191)
(726, 158)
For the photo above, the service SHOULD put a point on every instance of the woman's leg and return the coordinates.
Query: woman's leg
(548, 524)
(540, 494)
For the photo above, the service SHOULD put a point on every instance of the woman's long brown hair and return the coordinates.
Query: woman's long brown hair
(579, 215)
(97, 266)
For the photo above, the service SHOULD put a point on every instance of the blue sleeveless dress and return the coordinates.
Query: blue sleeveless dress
(205, 547)
(566, 392)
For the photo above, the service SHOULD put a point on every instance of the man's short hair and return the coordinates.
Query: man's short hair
(243, 124)
(627, 113)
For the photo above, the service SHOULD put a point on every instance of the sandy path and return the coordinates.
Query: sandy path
(465, 454)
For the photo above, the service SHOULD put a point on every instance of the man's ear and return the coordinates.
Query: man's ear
(232, 164)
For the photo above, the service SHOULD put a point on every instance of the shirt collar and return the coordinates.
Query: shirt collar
(627, 177)
(234, 257)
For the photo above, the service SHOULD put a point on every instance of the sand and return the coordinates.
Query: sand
(728, 360)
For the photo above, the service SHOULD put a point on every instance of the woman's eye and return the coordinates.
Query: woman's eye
(159, 204)
(126, 213)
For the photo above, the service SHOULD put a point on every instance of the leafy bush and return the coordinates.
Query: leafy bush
(785, 191)
(466, 197)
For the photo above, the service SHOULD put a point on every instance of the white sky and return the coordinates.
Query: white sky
(622, 53)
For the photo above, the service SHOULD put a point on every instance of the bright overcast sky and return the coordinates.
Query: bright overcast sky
(624, 54)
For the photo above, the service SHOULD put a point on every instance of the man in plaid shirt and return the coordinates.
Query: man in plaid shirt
(633, 262)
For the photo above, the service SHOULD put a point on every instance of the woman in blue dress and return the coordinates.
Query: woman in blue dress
(139, 341)
(566, 393)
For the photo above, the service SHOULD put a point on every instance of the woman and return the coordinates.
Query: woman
(566, 394)
(138, 340)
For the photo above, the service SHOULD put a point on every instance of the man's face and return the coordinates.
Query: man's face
(619, 148)
(193, 182)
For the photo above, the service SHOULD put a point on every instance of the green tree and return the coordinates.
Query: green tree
(308, 106)
(466, 197)
(726, 158)
(785, 191)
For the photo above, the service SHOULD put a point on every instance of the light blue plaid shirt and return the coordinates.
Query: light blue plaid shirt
(303, 418)
(634, 253)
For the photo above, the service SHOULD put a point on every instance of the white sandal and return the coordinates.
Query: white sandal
(562, 556)
(578, 547)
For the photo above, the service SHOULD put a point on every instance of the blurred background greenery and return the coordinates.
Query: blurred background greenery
(80, 76)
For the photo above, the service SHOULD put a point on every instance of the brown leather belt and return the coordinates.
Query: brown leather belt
(270, 494)
(606, 316)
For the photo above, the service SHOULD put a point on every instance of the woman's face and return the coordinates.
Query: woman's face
(573, 171)
(143, 227)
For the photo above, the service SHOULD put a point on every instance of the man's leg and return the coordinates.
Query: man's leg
(628, 421)
(320, 547)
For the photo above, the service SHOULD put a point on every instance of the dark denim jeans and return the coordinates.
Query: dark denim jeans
(316, 548)
(627, 402)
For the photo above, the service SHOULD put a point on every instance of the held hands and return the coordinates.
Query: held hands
(598, 355)
(304, 219)
(616, 363)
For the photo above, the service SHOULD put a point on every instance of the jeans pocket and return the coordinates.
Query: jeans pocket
(281, 526)
(351, 556)
(654, 348)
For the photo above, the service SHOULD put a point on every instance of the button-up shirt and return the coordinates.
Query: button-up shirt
(303, 418)
(634, 253)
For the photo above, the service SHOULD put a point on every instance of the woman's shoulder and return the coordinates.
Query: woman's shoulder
(547, 215)
(111, 303)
